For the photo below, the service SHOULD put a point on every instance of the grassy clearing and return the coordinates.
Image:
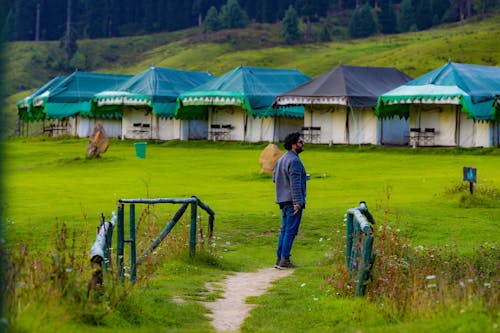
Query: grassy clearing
(416, 191)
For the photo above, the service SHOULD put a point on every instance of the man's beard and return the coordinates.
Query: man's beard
(299, 150)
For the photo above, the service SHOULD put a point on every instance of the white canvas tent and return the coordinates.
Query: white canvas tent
(453, 105)
(238, 105)
(146, 104)
(234, 124)
(340, 106)
(450, 126)
(82, 126)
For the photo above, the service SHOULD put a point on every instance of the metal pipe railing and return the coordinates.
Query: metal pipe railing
(359, 241)
(193, 201)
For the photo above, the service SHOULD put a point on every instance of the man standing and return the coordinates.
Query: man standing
(289, 177)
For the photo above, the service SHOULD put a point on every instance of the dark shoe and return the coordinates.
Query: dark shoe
(286, 263)
(277, 264)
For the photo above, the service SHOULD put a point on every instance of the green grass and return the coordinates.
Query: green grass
(48, 182)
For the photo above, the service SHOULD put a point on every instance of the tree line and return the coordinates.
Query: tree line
(59, 19)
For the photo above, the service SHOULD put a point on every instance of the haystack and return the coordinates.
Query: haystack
(268, 158)
(98, 141)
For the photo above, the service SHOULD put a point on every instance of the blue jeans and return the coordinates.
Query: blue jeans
(289, 228)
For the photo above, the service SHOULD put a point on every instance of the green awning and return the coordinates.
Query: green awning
(72, 95)
(251, 88)
(475, 88)
(25, 109)
(156, 89)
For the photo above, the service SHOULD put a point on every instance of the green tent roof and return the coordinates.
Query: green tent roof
(474, 87)
(25, 108)
(251, 88)
(157, 88)
(72, 95)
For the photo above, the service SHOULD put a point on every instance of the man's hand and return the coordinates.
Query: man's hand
(296, 208)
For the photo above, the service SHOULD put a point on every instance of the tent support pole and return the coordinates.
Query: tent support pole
(245, 124)
(498, 132)
(347, 124)
(382, 131)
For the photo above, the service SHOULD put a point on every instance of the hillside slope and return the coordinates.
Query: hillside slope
(30, 64)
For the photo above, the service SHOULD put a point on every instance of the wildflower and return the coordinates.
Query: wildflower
(315, 298)
(330, 280)
(321, 287)
(340, 285)
(487, 285)
(228, 243)
(430, 277)
(321, 239)
(303, 284)
(462, 284)
(394, 292)
(431, 285)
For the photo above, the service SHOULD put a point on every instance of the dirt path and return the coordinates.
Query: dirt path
(229, 312)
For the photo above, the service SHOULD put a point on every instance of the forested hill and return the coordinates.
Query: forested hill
(82, 19)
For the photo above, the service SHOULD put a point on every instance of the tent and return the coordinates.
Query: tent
(238, 104)
(68, 103)
(453, 105)
(148, 101)
(25, 106)
(340, 106)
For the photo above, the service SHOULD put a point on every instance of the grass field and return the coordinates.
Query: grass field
(419, 192)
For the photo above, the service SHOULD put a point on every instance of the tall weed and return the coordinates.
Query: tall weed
(59, 280)
(412, 281)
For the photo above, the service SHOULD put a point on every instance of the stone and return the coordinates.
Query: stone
(98, 142)
(268, 158)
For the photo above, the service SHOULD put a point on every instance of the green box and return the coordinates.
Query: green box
(140, 149)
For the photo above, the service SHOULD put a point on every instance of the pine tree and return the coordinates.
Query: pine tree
(387, 17)
(424, 15)
(212, 21)
(362, 23)
(325, 35)
(233, 16)
(406, 17)
(68, 42)
(24, 19)
(290, 26)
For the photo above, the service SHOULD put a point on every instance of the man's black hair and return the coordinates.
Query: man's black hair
(291, 139)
